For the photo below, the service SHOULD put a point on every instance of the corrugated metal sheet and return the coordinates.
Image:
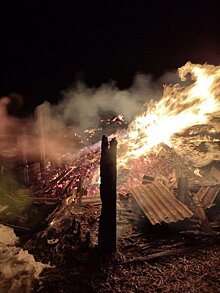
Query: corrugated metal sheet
(159, 203)
(206, 195)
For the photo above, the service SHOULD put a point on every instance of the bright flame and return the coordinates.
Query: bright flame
(193, 103)
(179, 108)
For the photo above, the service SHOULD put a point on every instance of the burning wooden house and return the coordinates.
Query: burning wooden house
(167, 164)
(170, 183)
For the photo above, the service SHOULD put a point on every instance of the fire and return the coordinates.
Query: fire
(181, 118)
(180, 107)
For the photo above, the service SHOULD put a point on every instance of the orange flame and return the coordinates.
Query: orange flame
(180, 107)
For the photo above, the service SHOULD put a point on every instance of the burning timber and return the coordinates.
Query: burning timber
(73, 231)
(172, 170)
(160, 197)
(170, 184)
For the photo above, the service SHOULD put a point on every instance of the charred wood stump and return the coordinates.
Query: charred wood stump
(108, 173)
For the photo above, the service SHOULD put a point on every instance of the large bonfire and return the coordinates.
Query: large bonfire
(179, 108)
(191, 107)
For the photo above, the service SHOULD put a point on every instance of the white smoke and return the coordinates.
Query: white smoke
(85, 106)
(80, 108)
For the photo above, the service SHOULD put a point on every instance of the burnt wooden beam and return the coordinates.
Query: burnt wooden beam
(108, 174)
(183, 189)
(201, 215)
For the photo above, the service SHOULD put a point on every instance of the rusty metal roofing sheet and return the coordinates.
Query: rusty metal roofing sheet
(159, 203)
(206, 195)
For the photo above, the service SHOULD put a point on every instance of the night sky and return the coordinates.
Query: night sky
(47, 45)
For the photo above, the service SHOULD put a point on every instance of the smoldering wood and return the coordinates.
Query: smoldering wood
(53, 183)
(108, 173)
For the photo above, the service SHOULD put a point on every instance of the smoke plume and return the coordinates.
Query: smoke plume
(53, 127)
(85, 107)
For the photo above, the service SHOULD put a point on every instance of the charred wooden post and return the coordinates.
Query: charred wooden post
(108, 173)
(183, 189)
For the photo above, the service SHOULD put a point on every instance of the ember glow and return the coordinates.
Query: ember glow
(179, 108)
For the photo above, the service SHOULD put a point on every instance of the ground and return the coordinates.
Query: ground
(165, 258)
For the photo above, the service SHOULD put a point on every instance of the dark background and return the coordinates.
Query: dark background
(47, 45)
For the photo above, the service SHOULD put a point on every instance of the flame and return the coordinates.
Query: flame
(180, 107)
(191, 103)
